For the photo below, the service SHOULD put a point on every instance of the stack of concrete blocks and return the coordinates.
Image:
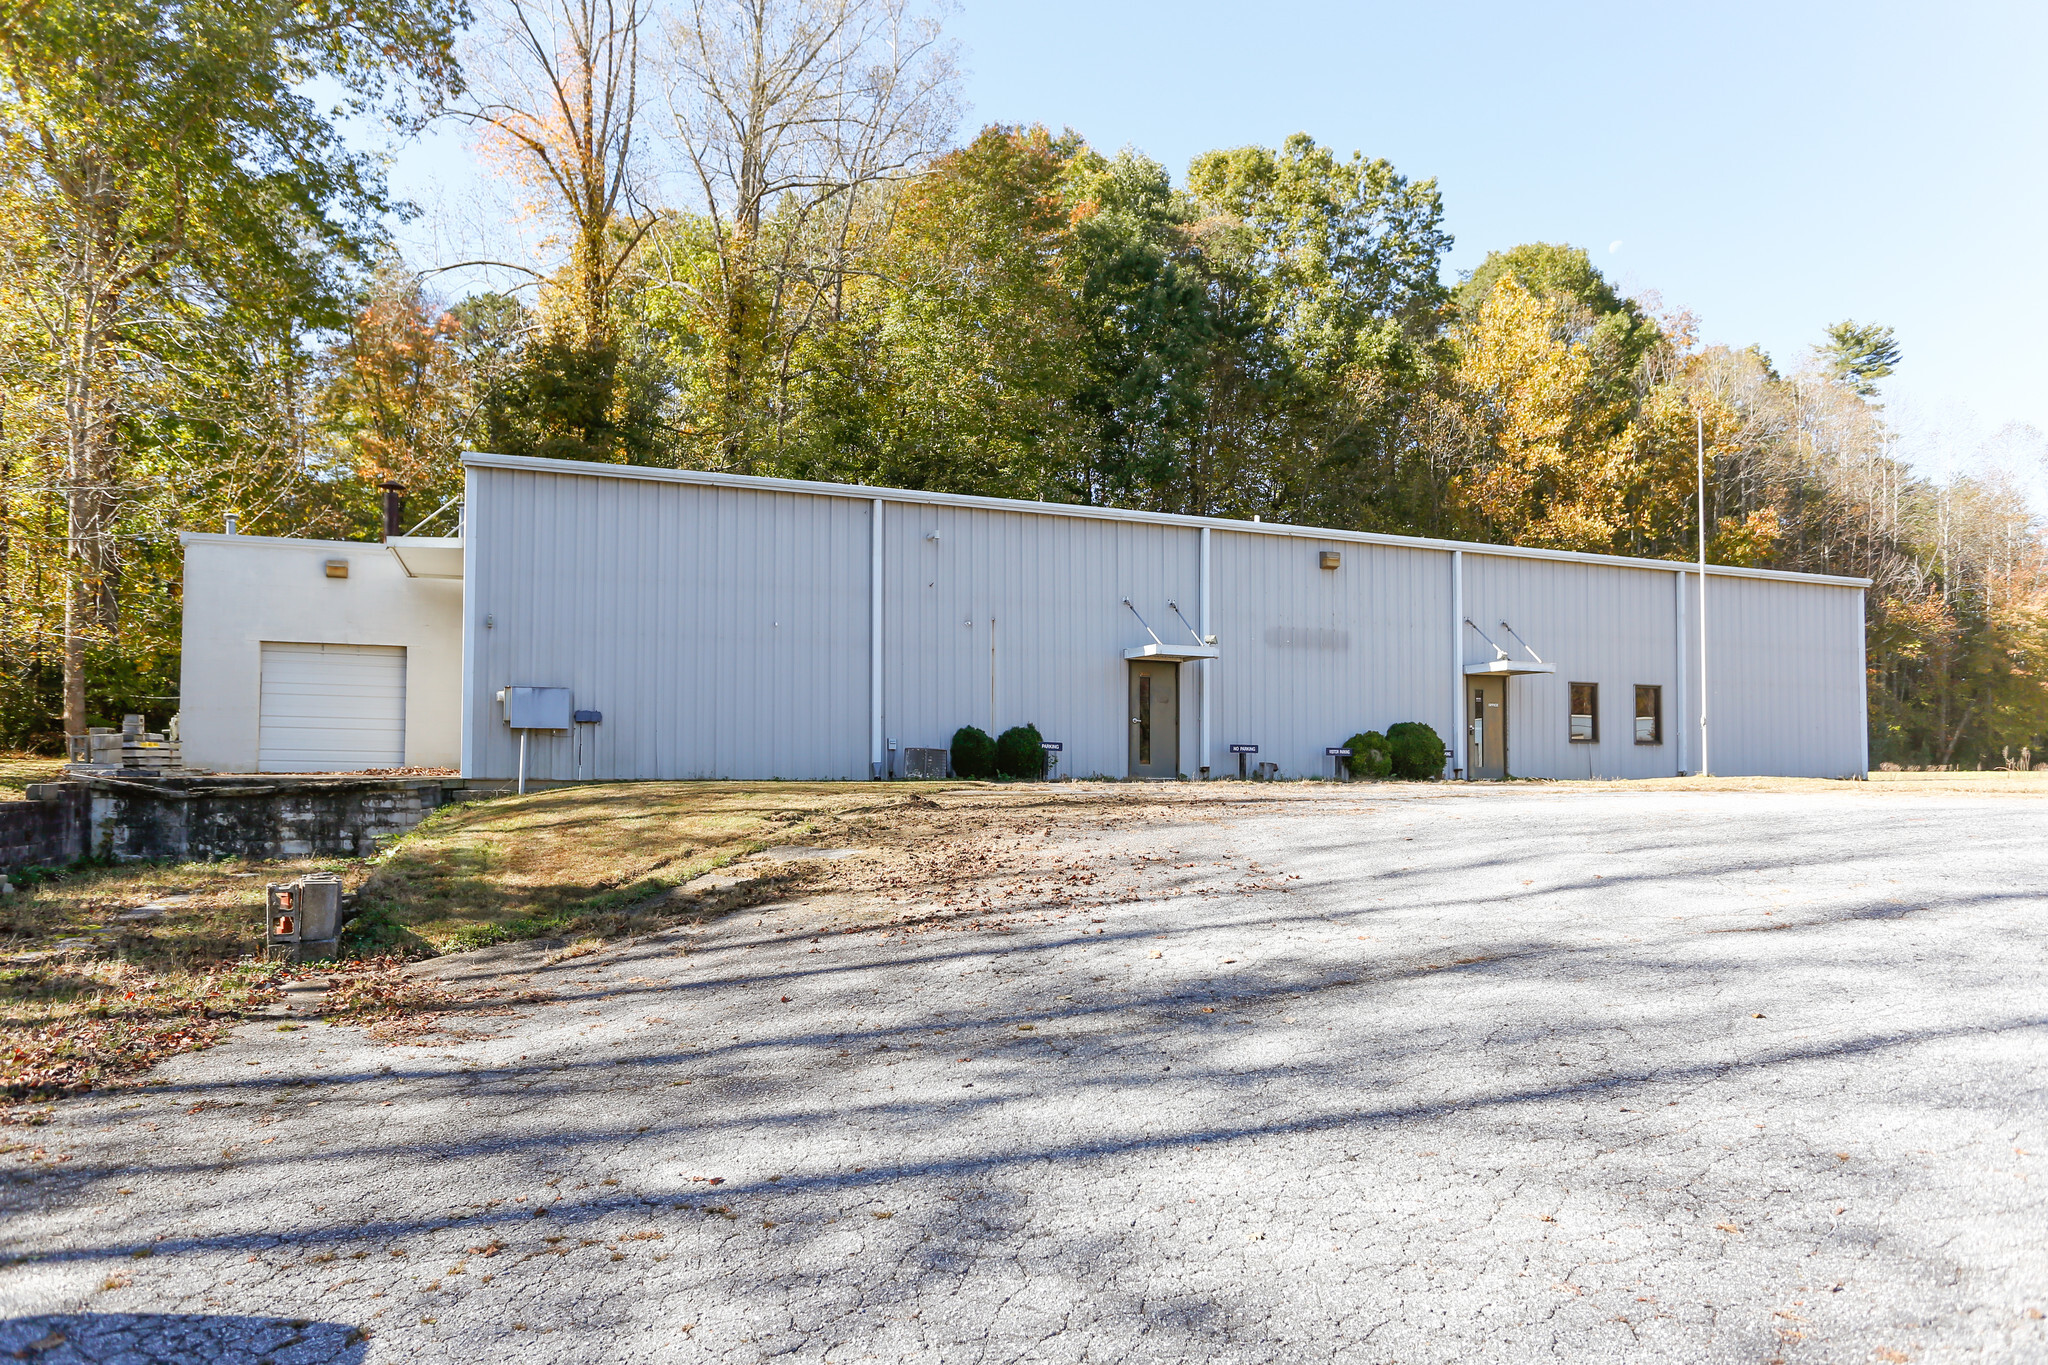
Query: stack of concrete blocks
(127, 752)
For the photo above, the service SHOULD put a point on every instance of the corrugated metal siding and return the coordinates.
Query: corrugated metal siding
(1311, 656)
(1787, 692)
(1614, 627)
(724, 632)
(721, 632)
(1054, 587)
(1785, 686)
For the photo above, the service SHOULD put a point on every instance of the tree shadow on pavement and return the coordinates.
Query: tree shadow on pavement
(90, 1338)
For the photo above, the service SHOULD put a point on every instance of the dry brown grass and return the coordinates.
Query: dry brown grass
(594, 859)
(17, 770)
(89, 996)
(211, 912)
(71, 1027)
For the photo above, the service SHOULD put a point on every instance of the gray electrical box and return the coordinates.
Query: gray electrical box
(536, 708)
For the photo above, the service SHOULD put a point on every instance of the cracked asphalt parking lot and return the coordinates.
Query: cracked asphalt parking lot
(1334, 1073)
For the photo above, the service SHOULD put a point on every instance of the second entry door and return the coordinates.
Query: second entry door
(1155, 719)
(1486, 724)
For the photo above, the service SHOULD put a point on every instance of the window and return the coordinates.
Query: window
(1585, 713)
(1649, 714)
(1144, 718)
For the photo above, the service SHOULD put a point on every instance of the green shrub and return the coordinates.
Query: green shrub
(1418, 752)
(1020, 753)
(1371, 755)
(974, 753)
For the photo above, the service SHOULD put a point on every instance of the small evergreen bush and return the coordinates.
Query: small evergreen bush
(1371, 755)
(1418, 751)
(974, 753)
(1020, 753)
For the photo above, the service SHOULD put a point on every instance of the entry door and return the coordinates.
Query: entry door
(1486, 722)
(331, 708)
(1155, 719)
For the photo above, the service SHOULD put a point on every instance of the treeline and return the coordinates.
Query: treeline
(780, 267)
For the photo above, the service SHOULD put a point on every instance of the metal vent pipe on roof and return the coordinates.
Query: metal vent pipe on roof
(394, 508)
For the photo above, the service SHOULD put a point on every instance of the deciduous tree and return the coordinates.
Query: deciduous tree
(163, 169)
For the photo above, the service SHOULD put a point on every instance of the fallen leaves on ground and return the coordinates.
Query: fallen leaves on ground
(110, 1021)
(395, 1007)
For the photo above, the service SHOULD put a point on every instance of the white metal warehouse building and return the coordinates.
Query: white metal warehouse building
(728, 627)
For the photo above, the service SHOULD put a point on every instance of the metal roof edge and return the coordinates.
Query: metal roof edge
(648, 473)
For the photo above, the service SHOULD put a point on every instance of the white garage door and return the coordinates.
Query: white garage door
(331, 708)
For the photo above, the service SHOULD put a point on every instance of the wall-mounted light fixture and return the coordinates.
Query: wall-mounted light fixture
(1332, 559)
(337, 568)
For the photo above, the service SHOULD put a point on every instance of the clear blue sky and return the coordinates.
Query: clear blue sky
(1774, 167)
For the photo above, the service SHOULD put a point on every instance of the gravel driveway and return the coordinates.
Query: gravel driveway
(1384, 1074)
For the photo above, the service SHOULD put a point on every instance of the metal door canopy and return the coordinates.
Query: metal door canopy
(536, 708)
(1509, 667)
(1172, 653)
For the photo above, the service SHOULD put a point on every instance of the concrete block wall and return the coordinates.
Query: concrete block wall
(191, 819)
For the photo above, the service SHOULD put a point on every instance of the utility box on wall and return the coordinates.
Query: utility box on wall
(536, 708)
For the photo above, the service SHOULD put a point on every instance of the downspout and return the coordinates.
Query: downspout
(1678, 648)
(1208, 665)
(875, 759)
(1460, 760)
(1863, 672)
(472, 618)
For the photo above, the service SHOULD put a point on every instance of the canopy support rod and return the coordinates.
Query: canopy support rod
(1184, 621)
(1498, 652)
(1520, 641)
(1141, 621)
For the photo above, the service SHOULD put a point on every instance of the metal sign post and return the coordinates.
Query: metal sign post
(1337, 757)
(1053, 749)
(1241, 750)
